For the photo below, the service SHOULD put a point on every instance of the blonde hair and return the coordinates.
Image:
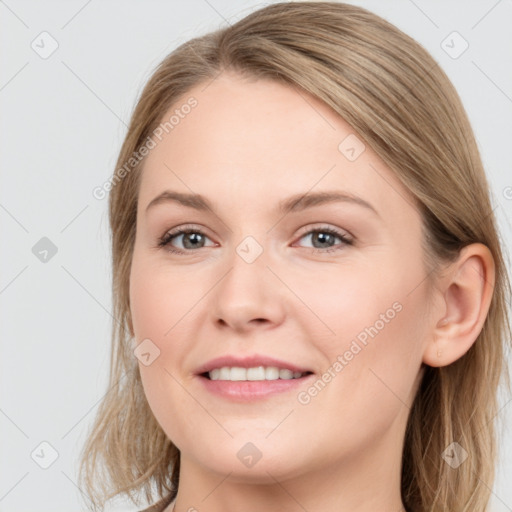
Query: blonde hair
(400, 102)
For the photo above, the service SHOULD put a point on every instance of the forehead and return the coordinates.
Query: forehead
(256, 142)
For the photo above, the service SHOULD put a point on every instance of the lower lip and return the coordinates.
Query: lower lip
(246, 391)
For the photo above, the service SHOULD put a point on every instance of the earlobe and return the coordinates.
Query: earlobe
(466, 290)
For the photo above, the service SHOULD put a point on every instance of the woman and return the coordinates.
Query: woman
(308, 281)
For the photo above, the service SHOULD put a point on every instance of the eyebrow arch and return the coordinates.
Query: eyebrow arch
(294, 203)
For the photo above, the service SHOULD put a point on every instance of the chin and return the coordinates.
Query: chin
(258, 462)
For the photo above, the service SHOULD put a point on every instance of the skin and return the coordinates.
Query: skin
(246, 146)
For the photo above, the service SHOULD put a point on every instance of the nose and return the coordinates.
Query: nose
(249, 296)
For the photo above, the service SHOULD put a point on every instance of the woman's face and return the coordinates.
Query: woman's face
(333, 291)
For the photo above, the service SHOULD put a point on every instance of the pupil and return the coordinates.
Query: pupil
(193, 237)
(323, 235)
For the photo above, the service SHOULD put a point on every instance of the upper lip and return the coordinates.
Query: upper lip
(248, 362)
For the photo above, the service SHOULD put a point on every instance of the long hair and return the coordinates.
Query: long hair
(400, 103)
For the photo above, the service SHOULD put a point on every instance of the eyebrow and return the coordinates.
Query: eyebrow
(295, 203)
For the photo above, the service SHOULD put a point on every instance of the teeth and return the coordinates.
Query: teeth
(257, 373)
(238, 373)
(285, 374)
(225, 374)
(271, 373)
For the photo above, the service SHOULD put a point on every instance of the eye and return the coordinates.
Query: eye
(324, 236)
(192, 238)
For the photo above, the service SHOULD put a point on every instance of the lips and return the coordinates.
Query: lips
(251, 378)
(253, 361)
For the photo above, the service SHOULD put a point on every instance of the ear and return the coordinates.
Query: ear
(466, 290)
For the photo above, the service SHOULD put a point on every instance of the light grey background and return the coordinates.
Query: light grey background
(62, 122)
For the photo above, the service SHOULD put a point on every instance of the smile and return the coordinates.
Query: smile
(257, 373)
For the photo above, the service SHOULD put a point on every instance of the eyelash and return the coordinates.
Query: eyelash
(164, 242)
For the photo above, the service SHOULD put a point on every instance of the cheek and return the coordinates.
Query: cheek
(157, 303)
(372, 342)
(158, 298)
(149, 308)
(349, 299)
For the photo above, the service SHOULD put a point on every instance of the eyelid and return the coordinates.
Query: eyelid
(180, 230)
(319, 226)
